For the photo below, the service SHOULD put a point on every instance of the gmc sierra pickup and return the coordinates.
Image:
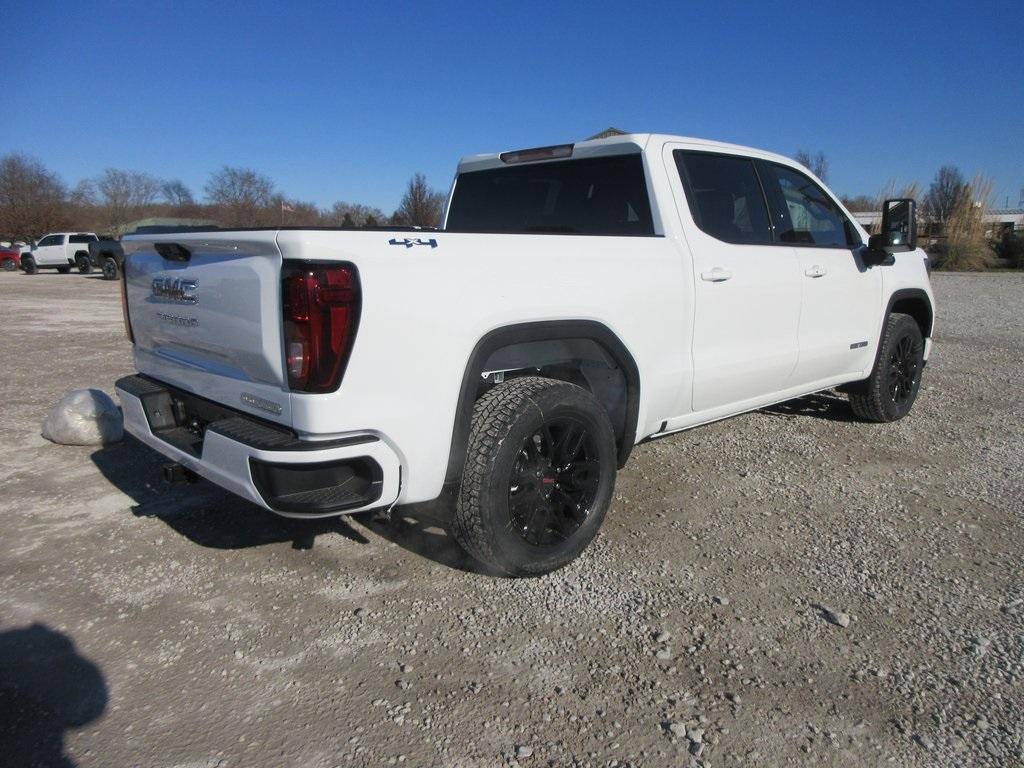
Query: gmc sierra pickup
(575, 300)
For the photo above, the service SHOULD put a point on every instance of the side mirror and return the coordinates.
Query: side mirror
(899, 227)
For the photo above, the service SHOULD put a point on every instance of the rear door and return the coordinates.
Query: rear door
(841, 296)
(747, 293)
(205, 311)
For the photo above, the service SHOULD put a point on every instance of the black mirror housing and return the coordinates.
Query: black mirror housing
(899, 226)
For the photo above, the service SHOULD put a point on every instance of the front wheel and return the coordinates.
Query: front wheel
(82, 262)
(110, 270)
(539, 476)
(890, 391)
(29, 265)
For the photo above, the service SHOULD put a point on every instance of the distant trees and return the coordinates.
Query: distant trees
(344, 214)
(34, 201)
(944, 194)
(175, 193)
(32, 198)
(817, 163)
(242, 196)
(421, 205)
(125, 196)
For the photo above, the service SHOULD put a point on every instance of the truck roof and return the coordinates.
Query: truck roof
(621, 144)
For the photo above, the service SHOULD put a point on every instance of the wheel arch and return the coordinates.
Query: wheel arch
(583, 352)
(916, 303)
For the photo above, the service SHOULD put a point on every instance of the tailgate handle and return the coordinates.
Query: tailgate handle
(173, 251)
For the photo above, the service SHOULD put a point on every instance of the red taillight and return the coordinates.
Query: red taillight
(321, 310)
(124, 300)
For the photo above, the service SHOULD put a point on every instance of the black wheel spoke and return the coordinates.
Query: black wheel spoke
(554, 482)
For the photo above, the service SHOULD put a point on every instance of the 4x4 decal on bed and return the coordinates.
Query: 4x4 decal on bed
(409, 242)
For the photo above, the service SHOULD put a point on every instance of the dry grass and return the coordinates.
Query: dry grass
(967, 247)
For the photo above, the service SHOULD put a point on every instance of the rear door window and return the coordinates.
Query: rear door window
(724, 196)
(591, 196)
(803, 214)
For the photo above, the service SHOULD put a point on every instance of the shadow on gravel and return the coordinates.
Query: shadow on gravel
(423, 529)
(214, 518)
(46, 688)
(823, 405)
(203, 513)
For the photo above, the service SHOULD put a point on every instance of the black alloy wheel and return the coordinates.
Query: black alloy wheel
(904, 369)
(554, 482)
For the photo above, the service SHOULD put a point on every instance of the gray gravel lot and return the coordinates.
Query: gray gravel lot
(782, 588)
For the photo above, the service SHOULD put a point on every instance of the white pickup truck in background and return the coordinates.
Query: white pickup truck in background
(60, 251)
(576, 300)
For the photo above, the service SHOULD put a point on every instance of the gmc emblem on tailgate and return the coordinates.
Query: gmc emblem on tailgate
(175, 289)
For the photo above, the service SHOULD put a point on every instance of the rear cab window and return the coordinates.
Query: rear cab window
(82, 238)
(604, 195)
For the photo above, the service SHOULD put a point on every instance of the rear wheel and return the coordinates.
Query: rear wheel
(110, 270)
(539, 475)
(9, 265)
(64, 269)
(82, 261)
(29, 265)
(890, 391)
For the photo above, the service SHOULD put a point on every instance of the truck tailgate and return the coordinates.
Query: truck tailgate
(205, 311)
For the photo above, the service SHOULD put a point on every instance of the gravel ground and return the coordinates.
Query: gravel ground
(782, 588)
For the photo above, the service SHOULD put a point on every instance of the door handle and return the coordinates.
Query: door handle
(816, 271)
(716, 275)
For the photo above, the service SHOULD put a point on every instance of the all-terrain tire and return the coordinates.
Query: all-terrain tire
(110, 269)
(504, 419)
(82, 262)
(889, 392)
(64, 269)
(29, 265)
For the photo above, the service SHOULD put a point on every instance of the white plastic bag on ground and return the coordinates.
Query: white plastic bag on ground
(84, 417)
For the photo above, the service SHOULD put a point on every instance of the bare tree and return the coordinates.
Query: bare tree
(244, 198)
(421, 205)
(31, 198)
(944, 194)
(816, 164)
(174, 192)
(125, 196)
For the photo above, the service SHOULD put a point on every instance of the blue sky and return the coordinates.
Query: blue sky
(344, 102)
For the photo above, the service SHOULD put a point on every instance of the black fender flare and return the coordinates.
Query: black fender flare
(912, 293)
(545, 330)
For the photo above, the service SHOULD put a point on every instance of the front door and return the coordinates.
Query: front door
(50, 251)
(747, 291)
(841, 295)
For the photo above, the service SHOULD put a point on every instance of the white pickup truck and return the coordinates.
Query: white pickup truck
(60, 251)
(576, 300)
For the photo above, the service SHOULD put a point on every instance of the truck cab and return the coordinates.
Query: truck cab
(60, 251)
